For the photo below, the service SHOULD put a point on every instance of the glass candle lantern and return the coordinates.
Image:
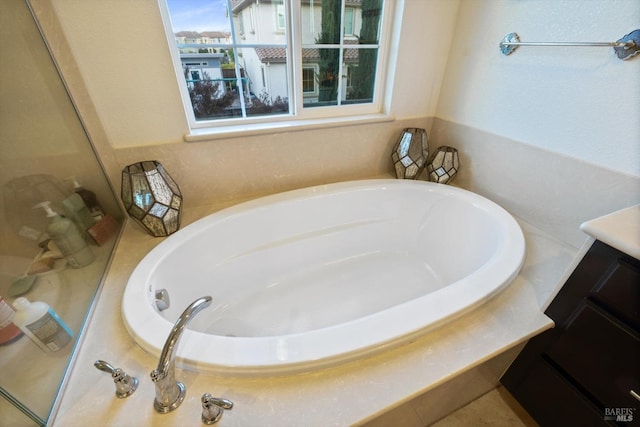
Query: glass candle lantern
(151, 197)
(410, 153)
(444, 165)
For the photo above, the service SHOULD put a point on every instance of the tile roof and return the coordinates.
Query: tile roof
(279, 54)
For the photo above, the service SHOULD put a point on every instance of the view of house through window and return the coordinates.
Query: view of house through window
(237, 56)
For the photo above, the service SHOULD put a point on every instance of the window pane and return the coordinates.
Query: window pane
(260, 23)
(327, 62)
(369, 31)
(215, 90)
(321, 21)
(198, 22)
(349, 21)
(361, 74)
(265, 80)
(209, 93)
(223, 79)
(354, 82)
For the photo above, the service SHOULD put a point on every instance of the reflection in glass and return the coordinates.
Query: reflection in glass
(42, 142)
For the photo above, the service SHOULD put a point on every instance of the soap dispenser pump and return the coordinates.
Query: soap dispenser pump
(67, 238)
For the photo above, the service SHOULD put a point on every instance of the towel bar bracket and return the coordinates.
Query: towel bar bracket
(624, 48)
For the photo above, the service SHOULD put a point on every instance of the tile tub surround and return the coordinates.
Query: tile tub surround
(549, 190)
(353, 393)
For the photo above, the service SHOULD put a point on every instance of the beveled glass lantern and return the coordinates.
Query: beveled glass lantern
(444, 165)
(410, 153)
(151, 197)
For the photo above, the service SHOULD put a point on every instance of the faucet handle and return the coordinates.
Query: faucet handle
(125, 384)
(213, 408)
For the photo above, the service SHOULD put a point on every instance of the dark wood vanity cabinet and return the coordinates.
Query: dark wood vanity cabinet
(586, 370)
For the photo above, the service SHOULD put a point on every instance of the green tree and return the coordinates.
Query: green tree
(329, 66)
(363, 77)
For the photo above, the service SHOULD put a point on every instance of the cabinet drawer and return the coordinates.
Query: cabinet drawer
(619, 291)
(601, 356)
(552, 401)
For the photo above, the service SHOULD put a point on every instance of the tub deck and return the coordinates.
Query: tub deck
(348, 394)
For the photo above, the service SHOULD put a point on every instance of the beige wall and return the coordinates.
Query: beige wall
(578, 102)
(121, 51)
(115, 58)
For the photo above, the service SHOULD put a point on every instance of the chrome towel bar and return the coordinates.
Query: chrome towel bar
(625, 48)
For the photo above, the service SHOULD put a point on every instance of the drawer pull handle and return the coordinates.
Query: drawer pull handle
(635, 395)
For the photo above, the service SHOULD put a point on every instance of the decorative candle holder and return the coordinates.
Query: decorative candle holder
(410, 153)
(444, 165)
(152, 198)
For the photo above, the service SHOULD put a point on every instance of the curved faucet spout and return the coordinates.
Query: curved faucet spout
(169, 392)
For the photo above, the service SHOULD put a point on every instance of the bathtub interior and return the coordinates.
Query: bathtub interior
(296, 266)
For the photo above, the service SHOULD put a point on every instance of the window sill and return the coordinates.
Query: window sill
(244, 130)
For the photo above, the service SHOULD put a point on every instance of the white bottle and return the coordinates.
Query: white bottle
(40, 323)
(67, 238)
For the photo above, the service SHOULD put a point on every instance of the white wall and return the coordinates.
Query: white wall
(578, 101)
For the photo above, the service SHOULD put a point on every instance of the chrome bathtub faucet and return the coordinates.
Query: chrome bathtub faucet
(169, 392)
(213, 408)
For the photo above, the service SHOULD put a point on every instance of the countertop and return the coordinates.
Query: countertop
(620, 229)
(352, 393)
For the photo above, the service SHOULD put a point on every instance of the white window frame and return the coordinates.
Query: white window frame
(280, 11)
(315, 70)
(314, 117)
(352, 23)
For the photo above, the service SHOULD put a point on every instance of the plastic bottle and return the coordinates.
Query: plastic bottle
(9, 332)
(40, 323)
(67, 238)
(89, 198)
(76, 210)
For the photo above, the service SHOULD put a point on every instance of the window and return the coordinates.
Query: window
(280, 17)
(309, 80)
(348, 21)
(304, 59)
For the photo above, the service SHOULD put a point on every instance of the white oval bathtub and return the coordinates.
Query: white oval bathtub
(322, 275)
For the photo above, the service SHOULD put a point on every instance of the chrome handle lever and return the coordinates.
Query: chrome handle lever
(213, 408)
(125, 384)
